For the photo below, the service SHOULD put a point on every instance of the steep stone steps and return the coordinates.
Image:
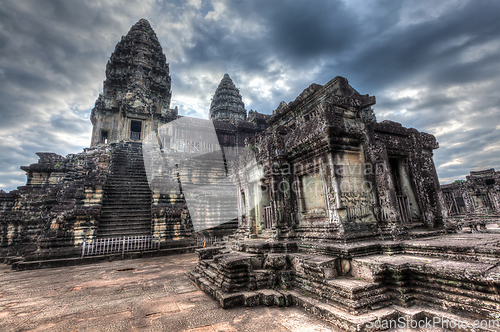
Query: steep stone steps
(124, 220)
(123, 227)
(129, 206)
(117, 190)
(130, 199)
(124, 232)
(126, 208)
(136, 194)
(136, 181)
(112, 189)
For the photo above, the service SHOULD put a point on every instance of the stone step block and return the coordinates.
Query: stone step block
(373, 267)
(474, 307)
(341, 319)
(315, 267)
(251, 299)
(355, 304)
(269, 297)
(351, 286)
(208, 253)
(485, 292)
(232, 260)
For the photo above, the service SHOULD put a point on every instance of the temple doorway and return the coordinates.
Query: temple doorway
(135, 130)
(405, 197)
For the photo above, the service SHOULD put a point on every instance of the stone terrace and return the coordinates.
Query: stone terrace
(450, 277)
(151, 294)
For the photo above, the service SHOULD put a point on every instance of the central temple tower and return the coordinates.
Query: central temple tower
(136, 93)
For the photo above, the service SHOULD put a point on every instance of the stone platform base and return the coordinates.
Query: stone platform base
(392, 317)
(266, 297)
(454, 278)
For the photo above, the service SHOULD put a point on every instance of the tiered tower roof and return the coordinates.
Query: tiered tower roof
(137, 74)
(227, 104)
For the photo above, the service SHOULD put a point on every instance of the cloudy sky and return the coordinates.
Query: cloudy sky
(432, 65)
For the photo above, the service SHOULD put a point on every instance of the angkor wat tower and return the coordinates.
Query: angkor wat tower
(107, 190)
(136, 94)
(227, 104)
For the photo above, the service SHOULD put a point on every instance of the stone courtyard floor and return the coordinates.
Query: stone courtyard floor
(152, 294)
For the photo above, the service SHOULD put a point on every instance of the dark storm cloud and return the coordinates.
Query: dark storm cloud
(300, 31)
(254, 34)
(428, 49)
(432, 65)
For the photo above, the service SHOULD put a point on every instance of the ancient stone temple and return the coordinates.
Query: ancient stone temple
(136, 93)
(474, 201)
(343, 217)
(326, 170)
(127, 183)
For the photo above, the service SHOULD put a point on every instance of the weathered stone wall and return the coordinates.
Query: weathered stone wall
(331, 172)
(478, 196)
(407, 154)
(60, 204)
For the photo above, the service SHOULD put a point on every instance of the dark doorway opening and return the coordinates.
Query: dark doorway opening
(135, 130)
(489, 182)
(405, 197)
(104, 136)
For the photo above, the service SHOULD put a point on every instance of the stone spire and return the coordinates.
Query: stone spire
(137, 75)
(227, 104)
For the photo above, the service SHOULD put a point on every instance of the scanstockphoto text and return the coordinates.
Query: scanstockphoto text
(432, 323)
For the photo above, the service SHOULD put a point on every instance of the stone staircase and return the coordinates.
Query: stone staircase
(466, 287)
(319, 275)
(354, 293)
(126, 207)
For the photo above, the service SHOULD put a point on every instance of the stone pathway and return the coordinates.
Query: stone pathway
(152, 294)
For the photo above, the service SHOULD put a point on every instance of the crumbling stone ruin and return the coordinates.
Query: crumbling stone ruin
(105, 191)
(59, 206)
(476, 201)
(343, 216)
(326, 170)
